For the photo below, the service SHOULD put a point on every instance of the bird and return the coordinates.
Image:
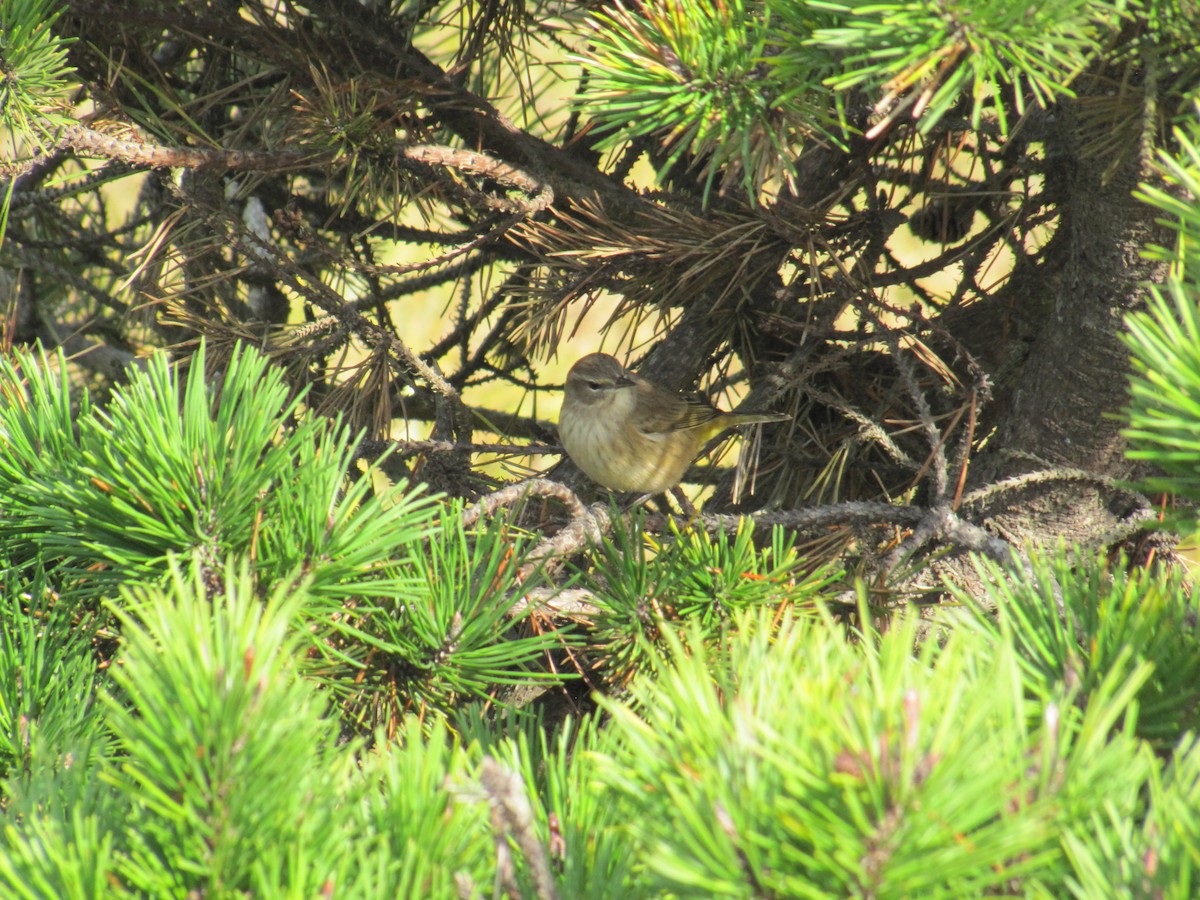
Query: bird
(630, 434)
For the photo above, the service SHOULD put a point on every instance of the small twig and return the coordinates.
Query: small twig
(89, 142)
(516, 493)
(943, 437)
(868, 430)
(489, 236)
(541, 194)
(587, 525)
(962, 457)
(512, 815)
(980, 395)
(370, 449)
(20, 168)
(1145, 519)
(287, 271)
(858, 512)
(937, 446)
(569, 602)
(969, 536)
(941, 523)
(51, 264)
(1028, 479)
(921, 536)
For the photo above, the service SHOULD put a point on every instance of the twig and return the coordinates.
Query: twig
(89, 142)
(516, 493)
(942, 523)
(569, 602)
(1017, 482)
(980, 395)
(587, 525)
(864, 512)
(541, 194)
(868, 430)
(937, 445)
(922, 535)
(284, 269)
(371, 449)
(512, 815)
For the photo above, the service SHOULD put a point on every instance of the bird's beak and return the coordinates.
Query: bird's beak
(627, 380)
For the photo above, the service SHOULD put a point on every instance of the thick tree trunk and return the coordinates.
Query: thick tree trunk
(1060, 409)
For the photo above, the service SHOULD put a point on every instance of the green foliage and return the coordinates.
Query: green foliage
(37, 419)
(1164, 413)
(425, 824)
(796, 764)
(227, 777)
(50, 857)
(785, 761)
(1172, 28)
(736, 90)
(201, 554)
(48, 672)
(443, 636)
(217, 468)
(574, 815)
(1158, 857)
(643, 587)
(33, 69)
(1171, 832)
(803, 767)
(1180, 171)
(700, 79)
(945, 51)
(1075, 623)
(404, 612)
(221, 744)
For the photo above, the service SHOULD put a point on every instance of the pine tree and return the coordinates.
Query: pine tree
(280, 615)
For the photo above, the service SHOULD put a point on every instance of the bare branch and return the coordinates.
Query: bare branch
(513, 816)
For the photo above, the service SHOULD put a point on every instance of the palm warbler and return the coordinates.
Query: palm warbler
(632, 435)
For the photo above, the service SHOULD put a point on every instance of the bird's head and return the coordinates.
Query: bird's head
(596, 380)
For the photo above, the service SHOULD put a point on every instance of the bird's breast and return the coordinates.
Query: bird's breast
(604, 442)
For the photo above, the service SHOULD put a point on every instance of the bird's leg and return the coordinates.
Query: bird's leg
(639, 500)
(684, 503)
(661, 502)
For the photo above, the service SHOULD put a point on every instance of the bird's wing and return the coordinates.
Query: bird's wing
(692, 412)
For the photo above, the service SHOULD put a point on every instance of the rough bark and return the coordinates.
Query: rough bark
(1060, 408)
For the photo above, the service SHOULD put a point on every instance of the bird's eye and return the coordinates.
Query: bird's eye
(593, 385)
